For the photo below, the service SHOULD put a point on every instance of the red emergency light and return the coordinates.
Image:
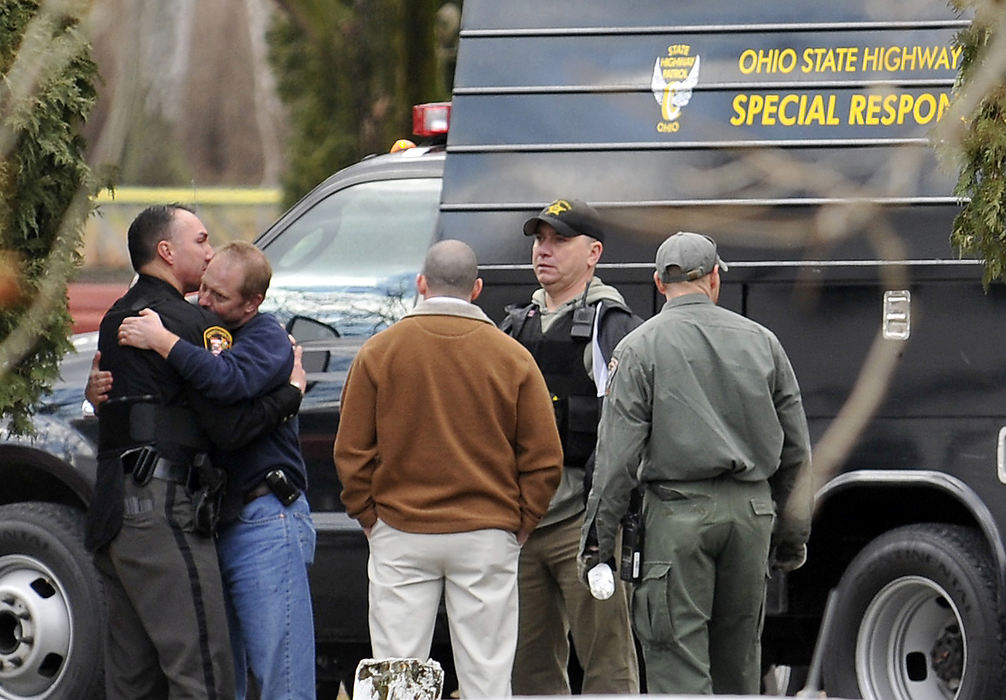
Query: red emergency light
(431, 119)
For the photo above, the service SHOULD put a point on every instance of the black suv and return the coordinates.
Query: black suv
(344, 263)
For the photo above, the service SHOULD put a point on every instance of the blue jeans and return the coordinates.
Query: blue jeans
(264, 557)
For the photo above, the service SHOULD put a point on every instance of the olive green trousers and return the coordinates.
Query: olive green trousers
(555, 605)
(698, 611)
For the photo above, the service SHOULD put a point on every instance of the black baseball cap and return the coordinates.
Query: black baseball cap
(569, 217)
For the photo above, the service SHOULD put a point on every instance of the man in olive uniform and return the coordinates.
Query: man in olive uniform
(168, 635)
(703, 408)
(570, 327)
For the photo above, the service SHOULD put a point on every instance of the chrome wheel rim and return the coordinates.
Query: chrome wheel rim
(35, 628)
(910, 644)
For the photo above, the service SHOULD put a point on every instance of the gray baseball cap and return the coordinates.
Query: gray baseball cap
(694, 253)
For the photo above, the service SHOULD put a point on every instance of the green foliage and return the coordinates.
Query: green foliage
(980, 228)
(47, 91)
(349, 72)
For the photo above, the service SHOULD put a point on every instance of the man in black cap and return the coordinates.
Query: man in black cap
(571, 327)
(704, 411)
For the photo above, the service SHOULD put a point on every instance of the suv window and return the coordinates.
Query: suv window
(351, 260)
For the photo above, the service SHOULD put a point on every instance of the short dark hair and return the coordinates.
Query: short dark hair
(450, 268)
(150, 227)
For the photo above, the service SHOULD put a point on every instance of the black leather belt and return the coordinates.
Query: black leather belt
(166, 470)
(257, 492)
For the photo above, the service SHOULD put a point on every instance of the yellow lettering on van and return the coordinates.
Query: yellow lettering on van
(873, 103)
(908, 57)
(755, 105)
(851, 58)
(815, 112)
(786, 60)
(926, 109)
(871, 58)
(896, 109)
(892, 115)
(956, 53)
(789, 109)
(905, 107)
(892, 58)
(747, 61)
(824, 60)
(766, 61)
(770, 110)
(832, 119)
(944, 103)
(739, 109)
(856, 106)
(900, 59)
(785, 118)
(942, 60)
(808, 61)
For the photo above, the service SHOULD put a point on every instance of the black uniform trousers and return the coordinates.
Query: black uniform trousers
(165, 602)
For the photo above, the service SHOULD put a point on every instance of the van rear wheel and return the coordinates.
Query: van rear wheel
(916, 618)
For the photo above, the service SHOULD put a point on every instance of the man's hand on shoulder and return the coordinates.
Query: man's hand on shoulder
(146, 332)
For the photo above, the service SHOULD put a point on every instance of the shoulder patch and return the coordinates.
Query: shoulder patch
(217, 339)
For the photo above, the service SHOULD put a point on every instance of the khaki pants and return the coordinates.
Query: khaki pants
(553, 605)
(168, 635)
(699, 609)
(477, 573)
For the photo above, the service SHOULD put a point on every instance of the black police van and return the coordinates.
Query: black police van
(798, 135)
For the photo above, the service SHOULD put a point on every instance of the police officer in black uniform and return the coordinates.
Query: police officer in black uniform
(168, 635)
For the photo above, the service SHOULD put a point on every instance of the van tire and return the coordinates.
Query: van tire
(913, 594)
(52, 610)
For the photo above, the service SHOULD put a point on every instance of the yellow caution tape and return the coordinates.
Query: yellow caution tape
(188, 195)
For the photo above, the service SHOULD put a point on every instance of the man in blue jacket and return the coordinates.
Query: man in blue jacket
(266, 538)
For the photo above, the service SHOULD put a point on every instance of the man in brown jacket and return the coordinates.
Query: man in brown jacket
(448, 454)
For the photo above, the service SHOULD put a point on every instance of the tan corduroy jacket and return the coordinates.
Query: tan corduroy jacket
(446, 426)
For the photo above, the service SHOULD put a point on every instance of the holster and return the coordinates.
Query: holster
(140, 462)
(208, 495)
(631, 560)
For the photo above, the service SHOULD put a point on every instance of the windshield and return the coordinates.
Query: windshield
(352, 259)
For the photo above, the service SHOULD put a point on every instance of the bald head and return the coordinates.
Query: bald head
(450, 270)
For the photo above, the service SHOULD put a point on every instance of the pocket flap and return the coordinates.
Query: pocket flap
(655, 570)
(762, 506)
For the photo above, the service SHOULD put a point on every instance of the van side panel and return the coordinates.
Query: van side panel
(798, 135)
